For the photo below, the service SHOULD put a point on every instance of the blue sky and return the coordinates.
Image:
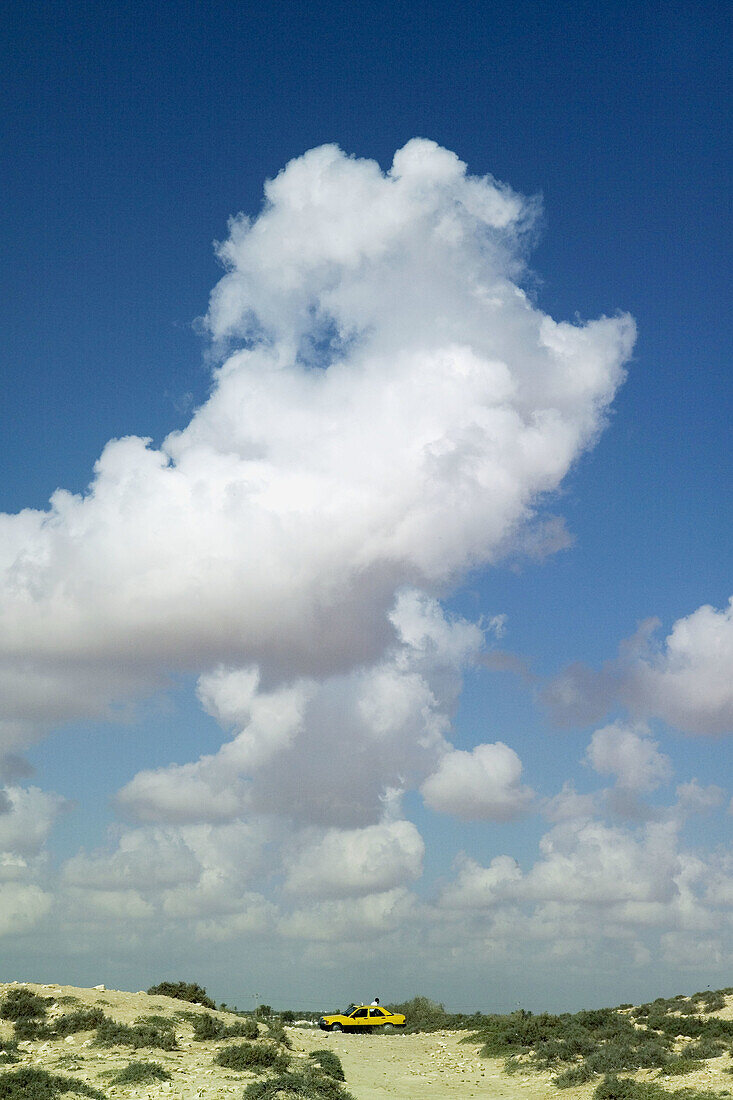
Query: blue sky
(465, 608)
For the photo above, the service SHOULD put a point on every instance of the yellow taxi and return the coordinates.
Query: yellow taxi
(362, 1018)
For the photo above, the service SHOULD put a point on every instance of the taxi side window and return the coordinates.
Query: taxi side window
(359, 1013)
(377, 1012)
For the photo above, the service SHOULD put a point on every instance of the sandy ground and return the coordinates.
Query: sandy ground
(390, 1066)
(422, 1067)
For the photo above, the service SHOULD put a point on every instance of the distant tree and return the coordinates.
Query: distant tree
(183, 991)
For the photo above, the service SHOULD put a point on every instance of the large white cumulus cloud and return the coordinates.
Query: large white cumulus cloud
(390, 411)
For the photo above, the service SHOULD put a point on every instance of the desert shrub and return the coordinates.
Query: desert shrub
(67, 1000)
(276, 1031)
(306, 1084)
(29, 1083)
(287, 1017)
(615, 1057)
(28, 1028)
(675, 1067)
(263, 1010)
(576, 1075)
(711, 999)
(141, 1073)
(207, 1028)
(23, 1004)
(85, 1019)
(111, 1033)
(329, 1062)
(705, 1047)
(255, 1057)
(8, 1051)
(620, 1088)
(249, 1029)
(183, 991)
(422, 1014)
(154, 1020)
(694, 1027)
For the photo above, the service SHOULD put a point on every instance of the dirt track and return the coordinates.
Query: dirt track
(423, 1067)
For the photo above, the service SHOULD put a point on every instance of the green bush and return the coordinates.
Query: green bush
(706, 1047)
(607, 1040)
(85, 1019)
(711, 1000)
(255, 1057)
(306, 1084)
(183, 991)
(619, 1088)
(248, 1029)
(23, 1004)
(578, 1075)
(422, 1014)
(141, 1073)
(676, 1067)
(207, 1028)
(8, 1051)
(277, 1032)
(329, 1062)
(28, 1028)
(110, 1033)
(28, 1083)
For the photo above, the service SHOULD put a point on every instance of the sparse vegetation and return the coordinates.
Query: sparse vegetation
(255, 1057)
(29, 1083)
(8, 1051)
(141, 1073)
(577, 1075)
(183, 991)
(28, 1028)
(308, 1085)
(207, 1028)
(277, 1033)
(606, 1042)
(23, 1004)
(422, 1014)
(624, 1088)
(329, 1062)
(677, 1067)
(84, 1019)
(112, 1033)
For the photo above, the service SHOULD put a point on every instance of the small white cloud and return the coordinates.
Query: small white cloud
(27, 819)
(568, 805)
(480, 888)
(629, 754)
(483, 784)
(685, 680)
(22, 907)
